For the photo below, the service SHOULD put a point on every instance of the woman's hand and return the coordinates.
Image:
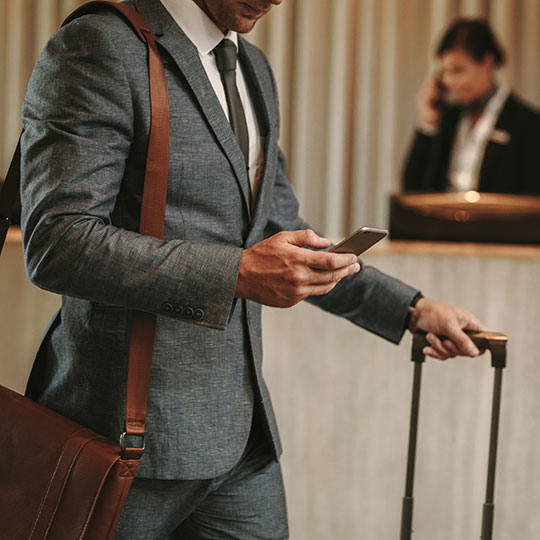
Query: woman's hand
(428, 102)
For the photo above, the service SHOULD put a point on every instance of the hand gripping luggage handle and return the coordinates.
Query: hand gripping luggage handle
(496, 343)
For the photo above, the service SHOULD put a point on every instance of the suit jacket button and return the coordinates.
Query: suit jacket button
(198, 315)
(167, 307)
(178, 309)
(188, 312)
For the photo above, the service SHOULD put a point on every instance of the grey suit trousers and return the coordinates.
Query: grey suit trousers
(246, 503)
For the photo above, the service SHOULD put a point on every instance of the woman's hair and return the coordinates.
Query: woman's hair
(475, 37)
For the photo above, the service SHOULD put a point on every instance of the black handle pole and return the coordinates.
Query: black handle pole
(408, 500)
(489, 506)
(496, 343)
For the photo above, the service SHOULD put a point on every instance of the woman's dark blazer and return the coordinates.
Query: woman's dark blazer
(507, 167)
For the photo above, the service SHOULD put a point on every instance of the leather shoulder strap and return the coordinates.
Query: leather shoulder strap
(157, 162)
(151, 224)
(152, 216)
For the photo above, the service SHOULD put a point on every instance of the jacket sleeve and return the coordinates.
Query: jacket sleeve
(79, 116)
(371, 299)
(417, 161)
(528, 156)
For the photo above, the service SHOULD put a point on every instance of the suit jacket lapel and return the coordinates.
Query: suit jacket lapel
(186, 56)
(257, 80)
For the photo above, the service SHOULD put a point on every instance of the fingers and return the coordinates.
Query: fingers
(306, 238)
(464, 343)
(442, 349)
(457, 344)
(429, 351)
(426, 99)
(280, 272)
(322, 260)
(316, 259)
(333, 276)
(438, 320)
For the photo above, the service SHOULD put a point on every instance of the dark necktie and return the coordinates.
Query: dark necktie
(225, 54)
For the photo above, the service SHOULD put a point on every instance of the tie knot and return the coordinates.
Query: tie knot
(225, 53)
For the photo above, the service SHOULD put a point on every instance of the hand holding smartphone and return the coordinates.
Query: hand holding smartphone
(440, 98)
(430, 100)
(360, 240)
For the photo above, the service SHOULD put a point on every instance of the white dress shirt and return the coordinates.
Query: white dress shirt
(470, 143)
(205, 35)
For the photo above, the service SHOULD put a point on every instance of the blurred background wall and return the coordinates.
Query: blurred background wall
(348, 72)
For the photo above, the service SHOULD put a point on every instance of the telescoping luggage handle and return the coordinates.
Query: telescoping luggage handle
(496, 343)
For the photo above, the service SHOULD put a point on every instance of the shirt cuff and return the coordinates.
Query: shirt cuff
(414, 301)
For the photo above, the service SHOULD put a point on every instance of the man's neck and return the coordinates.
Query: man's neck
(203, 5)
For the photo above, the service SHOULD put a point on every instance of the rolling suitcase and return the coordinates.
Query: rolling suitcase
(496, 343)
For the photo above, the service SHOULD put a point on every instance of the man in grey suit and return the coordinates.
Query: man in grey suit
(233, 241)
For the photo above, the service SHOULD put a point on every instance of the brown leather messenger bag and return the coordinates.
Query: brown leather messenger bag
(59, 480)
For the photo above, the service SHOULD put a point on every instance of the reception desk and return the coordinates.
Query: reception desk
(342, 397)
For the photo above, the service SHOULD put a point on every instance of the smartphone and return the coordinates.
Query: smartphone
(443, 97)
(360, 240)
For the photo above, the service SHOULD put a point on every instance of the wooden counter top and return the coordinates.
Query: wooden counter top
(458, 249)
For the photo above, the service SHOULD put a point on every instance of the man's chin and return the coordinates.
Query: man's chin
(243, 25)
(244, 28)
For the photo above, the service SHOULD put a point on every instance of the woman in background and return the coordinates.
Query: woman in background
(474, 134)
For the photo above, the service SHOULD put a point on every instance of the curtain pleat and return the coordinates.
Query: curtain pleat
(365, 127)
(336, 119)
(4, 140)
(348, 72)
(25, 26)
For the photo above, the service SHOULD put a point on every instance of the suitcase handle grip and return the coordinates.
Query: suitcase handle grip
(494, 341)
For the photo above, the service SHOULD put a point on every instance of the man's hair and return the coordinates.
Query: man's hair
(475, 37)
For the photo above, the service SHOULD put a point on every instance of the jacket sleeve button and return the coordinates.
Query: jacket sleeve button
(198, 315)
(167, 307)
(188, 312)
(178, 309)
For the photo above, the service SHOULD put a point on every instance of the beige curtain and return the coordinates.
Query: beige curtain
(25, 26)
(348, 72)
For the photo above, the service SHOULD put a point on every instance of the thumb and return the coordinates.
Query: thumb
(474, 325)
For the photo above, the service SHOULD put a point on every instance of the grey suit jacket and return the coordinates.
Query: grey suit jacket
(86, 120)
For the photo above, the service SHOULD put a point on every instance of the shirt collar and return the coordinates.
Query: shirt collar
(197, 26)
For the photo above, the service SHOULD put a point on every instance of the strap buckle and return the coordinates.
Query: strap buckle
(123, 446)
